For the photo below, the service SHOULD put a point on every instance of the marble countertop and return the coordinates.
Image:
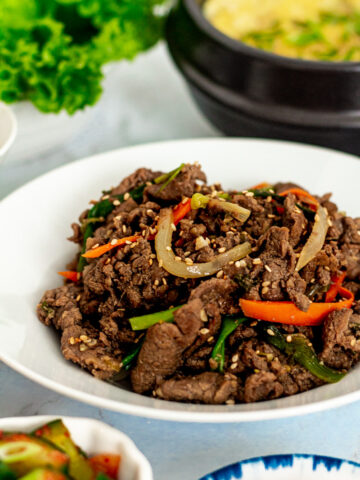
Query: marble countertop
(151, 103)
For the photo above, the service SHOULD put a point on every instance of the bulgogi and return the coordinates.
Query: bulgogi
(210, 296)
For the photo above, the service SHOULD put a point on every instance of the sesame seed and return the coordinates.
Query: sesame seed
(186, 254)
(156, 283)
(118, 217)
(269, 199)
(116, 203)
(289, 338)
(203, 316)
(317, 218)
(153, 255)
(270, 332)
(257, 261)
(188, 261)
(231, 401)
(143, 233)
(168, 248)
(124, 228)
(249, 194)
(164, 281)
(353, 342)
(173, 227)
(151, 261)
(108, 260)
(72, 341)
(83, 348)
(222, 250)
(204, 331)
(240, 263)
(265, 290)
(235, 358)
(231, 262)
(161, 263)
(149, 211)
(105, 197)
(253, 324)
(92, 342)
(114, 241)
(134, 244)
(269, 357)
(233, 366)
(127, 242)
(312, 280)
(78, 298)
(127, 196)
(330, 223)
(84, 338)
(297, 210)
(271, 215)
(220, 274)
(177, 259)
(210, 339)
(148, 183)
(266, 284)
(95, 246)
(268, 268)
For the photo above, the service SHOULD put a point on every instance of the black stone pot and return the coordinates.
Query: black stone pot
(245, 91)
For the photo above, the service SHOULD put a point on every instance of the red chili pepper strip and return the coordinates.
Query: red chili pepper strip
(72, 276)
(331, 294)
(106, 463)
(302, 195)
(288, 313)
(181, 210)
(179, 213)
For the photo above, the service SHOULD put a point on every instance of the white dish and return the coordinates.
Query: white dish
(93, 437)
(8, 128)
(288, 467)
(39, 215)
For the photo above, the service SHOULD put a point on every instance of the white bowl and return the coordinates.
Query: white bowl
(36, 221)
(8, 128)
(93, 437)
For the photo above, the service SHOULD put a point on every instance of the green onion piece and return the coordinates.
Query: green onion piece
(198, 200)
(168, 177)
(229, 325)
(146, 321)
(129, 359)
(304, 354)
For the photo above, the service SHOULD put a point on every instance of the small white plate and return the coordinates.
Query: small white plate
(35, 221)
(93, 437)
(288, 467)
(8, 128)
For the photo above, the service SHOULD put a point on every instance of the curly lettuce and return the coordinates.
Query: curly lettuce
(52, 51)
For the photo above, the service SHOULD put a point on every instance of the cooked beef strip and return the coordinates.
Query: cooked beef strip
(208, 387)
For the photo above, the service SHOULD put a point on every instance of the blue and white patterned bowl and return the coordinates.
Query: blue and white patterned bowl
(288, 467)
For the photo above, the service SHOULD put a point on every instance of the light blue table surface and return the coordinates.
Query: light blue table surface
(176, 451)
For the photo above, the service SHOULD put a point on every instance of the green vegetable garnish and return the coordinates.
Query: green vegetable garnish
(146, 321)
(129, 359)
(300, 349)
(229, 325)
(52, 51)
(168, 177)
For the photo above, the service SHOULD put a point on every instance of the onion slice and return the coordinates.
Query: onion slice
(201, 201)
(316, 240)
(166, 256)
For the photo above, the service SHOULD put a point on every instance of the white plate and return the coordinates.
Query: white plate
(35, 221)
(93, 437)
(288, 467)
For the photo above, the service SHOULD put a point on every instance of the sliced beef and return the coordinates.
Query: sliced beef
(294, 220)
(161, 353)
(340, 346)
(262, 386)
(59, 307)
(139, 177)
(208, 387)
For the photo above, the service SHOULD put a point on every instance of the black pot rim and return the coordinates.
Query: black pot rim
(194, 10)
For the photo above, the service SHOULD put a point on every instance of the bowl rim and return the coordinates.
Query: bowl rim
(194, 10)
(131, 450)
